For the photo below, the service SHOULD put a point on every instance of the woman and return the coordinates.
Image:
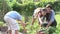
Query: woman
(38, 13)
(10, 18)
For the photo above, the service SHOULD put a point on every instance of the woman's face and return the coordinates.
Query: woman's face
(43, 13)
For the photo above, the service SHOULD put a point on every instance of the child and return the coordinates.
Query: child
(10, 18)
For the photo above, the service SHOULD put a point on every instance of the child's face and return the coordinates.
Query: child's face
(43, 13)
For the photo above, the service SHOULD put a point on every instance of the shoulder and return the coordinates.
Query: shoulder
(14, 11)
(52, 11)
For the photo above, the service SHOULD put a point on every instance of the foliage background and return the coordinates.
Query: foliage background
(26, 9)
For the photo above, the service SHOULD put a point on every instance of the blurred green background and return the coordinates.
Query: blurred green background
(26, 9)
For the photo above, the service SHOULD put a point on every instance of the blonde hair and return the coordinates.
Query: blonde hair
(36, 11)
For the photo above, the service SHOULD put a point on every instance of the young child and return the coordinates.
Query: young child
(10, 18)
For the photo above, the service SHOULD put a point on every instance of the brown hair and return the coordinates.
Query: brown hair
(49, 6)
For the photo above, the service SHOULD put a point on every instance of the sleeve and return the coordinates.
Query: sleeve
(19, 17)
(52, 16)
(35, 14)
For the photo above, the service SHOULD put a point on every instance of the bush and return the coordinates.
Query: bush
(27, 8)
